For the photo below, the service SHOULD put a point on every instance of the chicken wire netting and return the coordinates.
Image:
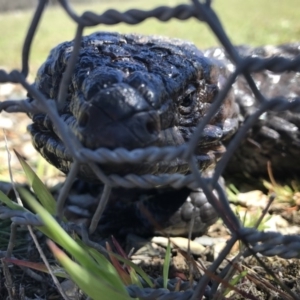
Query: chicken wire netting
(265, 243)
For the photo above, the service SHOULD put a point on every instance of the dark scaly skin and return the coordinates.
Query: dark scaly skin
(135, 91)
(276, 136)
(170, 210)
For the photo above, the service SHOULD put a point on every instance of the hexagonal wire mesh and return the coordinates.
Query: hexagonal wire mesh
(265, 243)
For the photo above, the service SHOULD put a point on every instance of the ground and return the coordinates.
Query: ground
(283, 216)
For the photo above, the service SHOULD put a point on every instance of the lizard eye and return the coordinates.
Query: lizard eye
(186, 99)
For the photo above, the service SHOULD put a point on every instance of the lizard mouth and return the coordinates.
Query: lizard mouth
(139, 131)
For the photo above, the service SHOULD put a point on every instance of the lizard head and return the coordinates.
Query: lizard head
(131, 91)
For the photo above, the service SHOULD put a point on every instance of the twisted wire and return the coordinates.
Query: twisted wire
(266, 243)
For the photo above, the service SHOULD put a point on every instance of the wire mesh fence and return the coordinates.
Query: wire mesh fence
(267, 243)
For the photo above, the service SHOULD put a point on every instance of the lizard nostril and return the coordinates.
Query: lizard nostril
(152, 126)
(83, 119)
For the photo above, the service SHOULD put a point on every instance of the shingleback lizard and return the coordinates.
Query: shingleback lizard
(135, 91)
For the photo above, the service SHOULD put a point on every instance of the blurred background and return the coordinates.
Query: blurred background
(254, 22)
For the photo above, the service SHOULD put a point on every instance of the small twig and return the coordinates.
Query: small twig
(10, 171)
(12, 238)
(64, 191)
(42, 255)
(8, 280)
(265, 210)
(100, 208)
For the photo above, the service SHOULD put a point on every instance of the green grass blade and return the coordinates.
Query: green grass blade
(137, 269)
(11, 204)
(101, 260)
(235, 281)
(37, 185)
(28, 197)
(56, 232)
(94, 287)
